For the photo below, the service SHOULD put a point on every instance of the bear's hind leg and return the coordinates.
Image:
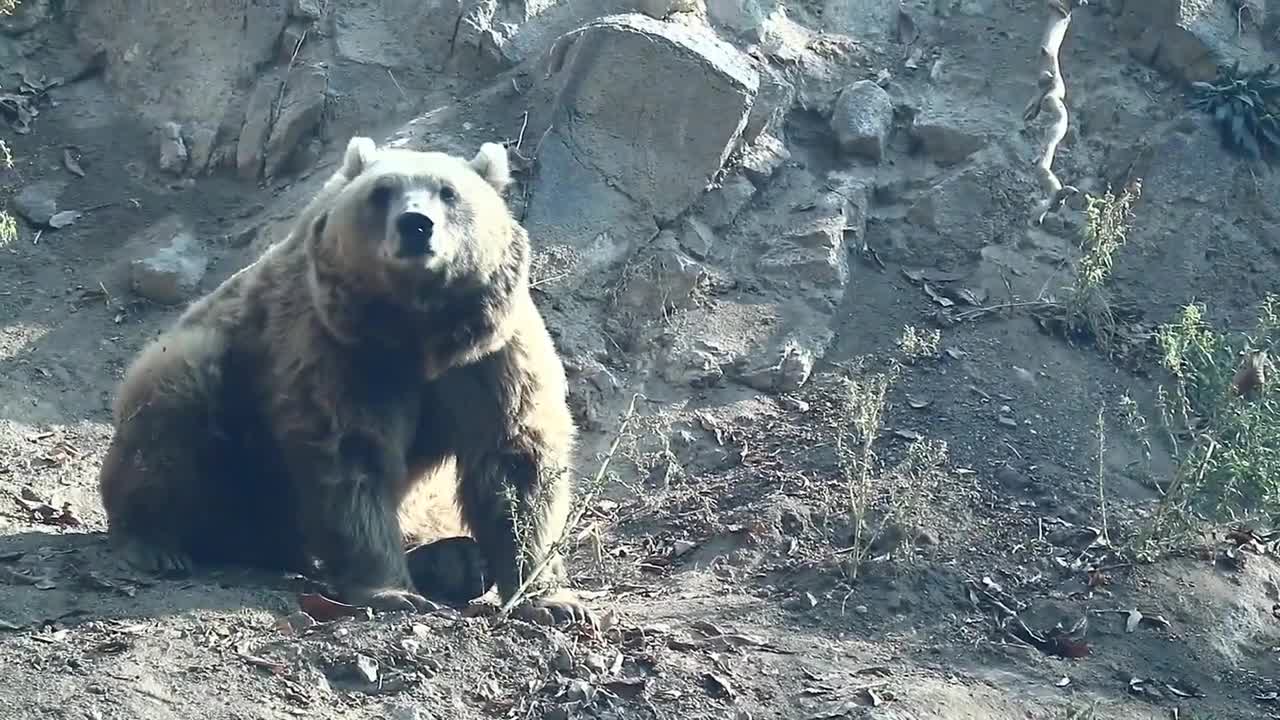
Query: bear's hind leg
(158, 478)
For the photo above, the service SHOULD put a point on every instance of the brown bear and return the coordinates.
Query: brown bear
(286, 415)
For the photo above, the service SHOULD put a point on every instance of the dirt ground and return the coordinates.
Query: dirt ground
(718, 547)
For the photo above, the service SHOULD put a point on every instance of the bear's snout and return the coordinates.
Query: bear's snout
(414, 230)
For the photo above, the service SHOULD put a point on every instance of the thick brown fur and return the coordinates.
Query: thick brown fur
(288, 413)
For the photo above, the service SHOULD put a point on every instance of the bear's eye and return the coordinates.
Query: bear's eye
(448, 194)
(381, 196)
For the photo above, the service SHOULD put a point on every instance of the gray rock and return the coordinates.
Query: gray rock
(1189, 38)
(782, 370)
(171, 274)
(862, 19)
(949, 132)
(257, 127)
(961, 206)
(661, 9)
(664, 156)
(305, 9)
(291, 38)
(739, 15)
(299, 115)
(722, 205)
(173, 149)
(807, 234)
(398, 33)
(772, 103)
(692, 368)
(200, 149)
(661, 278)
(696, 238)
(862, 118)
(38, 201)
(810, 248)
(762, 158)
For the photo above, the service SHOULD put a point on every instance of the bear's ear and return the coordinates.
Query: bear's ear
(360, 152)
(317, 227)
(492, 164)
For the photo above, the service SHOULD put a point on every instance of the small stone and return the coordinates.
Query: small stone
(788, 373)
(367, 668)
(762, 158)
(305, 9)
(1007, 421)
(682, 547)
(793, 404)
(596, 663)
(173, 149)
(945, 134)
(171, 274)
(862, 118)
(722, 205)
(37, 202)
(861, 609)
(805, 601)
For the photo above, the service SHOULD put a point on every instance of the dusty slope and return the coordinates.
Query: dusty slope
(717, 542)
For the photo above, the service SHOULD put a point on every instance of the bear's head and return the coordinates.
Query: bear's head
(422, 229)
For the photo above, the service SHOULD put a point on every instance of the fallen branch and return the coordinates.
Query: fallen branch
(1050, 98)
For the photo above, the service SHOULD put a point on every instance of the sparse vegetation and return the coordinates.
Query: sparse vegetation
(1246, 109)
(1108, 218)
(916, 343)
(886, 507)
(8, 225)
(1222, 417)
(8, 6)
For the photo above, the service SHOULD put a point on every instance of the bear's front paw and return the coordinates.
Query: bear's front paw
(390, 600)
(154, 558)
(558, 607)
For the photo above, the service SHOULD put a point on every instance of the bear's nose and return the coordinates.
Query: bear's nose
(415, 234)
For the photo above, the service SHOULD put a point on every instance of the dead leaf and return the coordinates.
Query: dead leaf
(65, 218)
(911, 435)
(937, 298)
(70, 162)
(921, 275)
(918, 403)
(324, 609)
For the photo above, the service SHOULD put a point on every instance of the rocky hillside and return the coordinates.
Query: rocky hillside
(873, 356)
